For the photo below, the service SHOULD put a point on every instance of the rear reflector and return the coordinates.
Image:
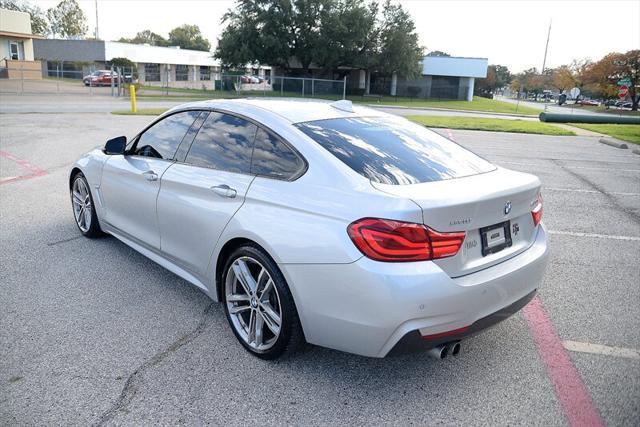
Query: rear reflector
(396, 241)
(536, 213)
(446, 334)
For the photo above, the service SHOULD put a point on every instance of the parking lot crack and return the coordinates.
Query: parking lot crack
(134, 381)
(635, 216)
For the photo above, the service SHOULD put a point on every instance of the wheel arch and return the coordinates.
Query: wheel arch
(75, 171)
(225, 251)
(228, 248)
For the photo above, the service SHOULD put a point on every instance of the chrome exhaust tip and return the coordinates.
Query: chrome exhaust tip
(439, 352)
(455, 348)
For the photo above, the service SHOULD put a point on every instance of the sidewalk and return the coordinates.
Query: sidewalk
(578, 131)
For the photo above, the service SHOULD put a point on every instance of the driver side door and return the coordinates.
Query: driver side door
(131, 182)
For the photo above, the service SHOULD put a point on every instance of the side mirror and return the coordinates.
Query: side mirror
(116, 145)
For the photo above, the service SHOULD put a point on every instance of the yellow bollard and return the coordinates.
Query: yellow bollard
(132, 91)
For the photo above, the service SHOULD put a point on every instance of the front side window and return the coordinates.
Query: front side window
(273, 158)
(224, 142)
(394, 150)
(163, 138)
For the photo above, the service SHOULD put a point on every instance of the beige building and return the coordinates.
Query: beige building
(16, 46)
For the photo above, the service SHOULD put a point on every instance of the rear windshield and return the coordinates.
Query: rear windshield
(394, 150)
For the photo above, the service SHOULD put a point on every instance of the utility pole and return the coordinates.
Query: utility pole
(97, 34)
(546, 48)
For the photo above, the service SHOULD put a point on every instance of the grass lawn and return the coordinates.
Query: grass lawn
(494, 125)
(141, 112)
(478, 104)
(629, 133)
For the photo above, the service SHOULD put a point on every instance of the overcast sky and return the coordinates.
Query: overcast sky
(508, 32)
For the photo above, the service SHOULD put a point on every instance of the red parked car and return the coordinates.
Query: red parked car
(100, 78)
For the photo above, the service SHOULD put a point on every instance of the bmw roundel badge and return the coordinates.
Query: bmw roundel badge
(507, 208)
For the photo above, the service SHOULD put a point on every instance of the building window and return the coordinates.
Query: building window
(205, 73)
(152, 72)
(14, 50)
(182, 73)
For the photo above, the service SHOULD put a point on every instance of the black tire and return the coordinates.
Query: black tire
(291, 337)
(93, 230)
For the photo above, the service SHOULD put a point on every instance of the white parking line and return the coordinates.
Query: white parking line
(598, 236)
(579, 190)
(585, 347)
(569, 167)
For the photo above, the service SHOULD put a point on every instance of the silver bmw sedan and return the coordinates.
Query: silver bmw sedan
(321, 222)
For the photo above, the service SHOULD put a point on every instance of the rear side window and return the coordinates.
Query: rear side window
(163, 138)
(394, 151)
(224, 142)
(273, 158)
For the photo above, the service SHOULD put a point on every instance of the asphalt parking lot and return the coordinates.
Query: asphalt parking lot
(91, 332)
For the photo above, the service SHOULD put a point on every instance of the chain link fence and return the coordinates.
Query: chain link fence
(181, 81)
(159, 80)
(59, 78)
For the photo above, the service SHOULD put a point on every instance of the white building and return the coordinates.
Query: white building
(443, 77)
(154, 64)
(16, 46)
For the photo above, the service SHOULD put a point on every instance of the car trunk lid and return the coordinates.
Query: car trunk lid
(493, 209)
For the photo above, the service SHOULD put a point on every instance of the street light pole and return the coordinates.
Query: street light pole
(546, 48)
(97, 34)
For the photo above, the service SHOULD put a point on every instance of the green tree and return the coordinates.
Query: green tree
(350, 36)
(532, 82)
(122, 62)
(438, 53)
(498, 76)
(188, 37)
(146, 37)
(562, 78)
(503, 75)
(399, 49)
(274, 32)
(326, 33)
(67, 20)
(580, 70)
(618, 66)
(39, 24)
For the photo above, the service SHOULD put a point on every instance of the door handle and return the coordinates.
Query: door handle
(224, 190)
(150, 176)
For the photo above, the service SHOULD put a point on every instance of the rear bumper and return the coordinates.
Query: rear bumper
(367, 307)
(415, 341)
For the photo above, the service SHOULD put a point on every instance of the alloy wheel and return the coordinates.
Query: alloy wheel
(81, 204)
(253, 303)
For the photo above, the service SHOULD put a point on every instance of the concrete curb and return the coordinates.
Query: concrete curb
(613, 143)
(488, 113)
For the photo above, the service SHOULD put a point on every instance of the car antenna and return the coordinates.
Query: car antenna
(343, 105)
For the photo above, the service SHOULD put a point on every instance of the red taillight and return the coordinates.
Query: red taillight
(396, 241)
(536, 212)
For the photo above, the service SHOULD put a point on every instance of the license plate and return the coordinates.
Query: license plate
(495, 238)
